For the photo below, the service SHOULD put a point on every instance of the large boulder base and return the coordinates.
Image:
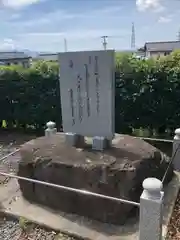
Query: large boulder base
(118, 171)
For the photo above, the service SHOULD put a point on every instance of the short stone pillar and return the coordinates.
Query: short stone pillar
(50, 130)
(176, 150)
(151, 202)
(75, 140)
(100, 143)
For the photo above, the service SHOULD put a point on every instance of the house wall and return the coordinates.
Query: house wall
(157, 53)
(22, 62)
(48, 57)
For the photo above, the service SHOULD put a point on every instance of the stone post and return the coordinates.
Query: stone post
(100, 143)
(151, 202)
(75, 140)
(176, 150)
(50, 130)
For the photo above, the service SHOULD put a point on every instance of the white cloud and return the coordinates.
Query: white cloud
(44, 19)
(76, 34)
(46, 31)
(105, 10)
(166, 19)
(76, 39)
(17, 3)
(145, 5)
(7, 44)
(61, 15)
(15, 16)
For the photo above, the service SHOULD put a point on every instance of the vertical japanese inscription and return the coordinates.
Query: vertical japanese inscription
(82, 74)
(87, 89)
(71, 97)
(96, 73)
(79, 98)
(72, 106)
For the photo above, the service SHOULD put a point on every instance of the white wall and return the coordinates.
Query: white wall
(155, 54)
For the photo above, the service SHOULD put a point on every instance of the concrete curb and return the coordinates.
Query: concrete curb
(169, 202)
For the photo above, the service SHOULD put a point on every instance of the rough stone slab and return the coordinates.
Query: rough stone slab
(14, 204)
(118, 172)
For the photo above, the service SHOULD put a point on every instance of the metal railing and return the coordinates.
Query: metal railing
(148, 199)
(80, 191)
(170, 163)
(156, 139)
(10, 154)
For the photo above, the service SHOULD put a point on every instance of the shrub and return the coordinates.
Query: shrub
(147, 94)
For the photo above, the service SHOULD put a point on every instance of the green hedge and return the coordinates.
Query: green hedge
(147, 94)
(29, 97)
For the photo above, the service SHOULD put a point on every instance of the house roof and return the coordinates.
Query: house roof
(162, 46)
(13, 55)
(48, 54)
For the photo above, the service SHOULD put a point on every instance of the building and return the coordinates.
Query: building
(140, 53)
(15, 58)
(51, 57)
(158, 49)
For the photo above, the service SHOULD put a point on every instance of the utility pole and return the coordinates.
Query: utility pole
(178, 37)
(133, 38)
(65, 44)
(104, 42)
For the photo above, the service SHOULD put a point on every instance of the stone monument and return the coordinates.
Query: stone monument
(113, 165)
(87, 96)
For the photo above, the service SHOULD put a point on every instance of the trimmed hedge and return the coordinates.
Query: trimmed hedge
(147, 94)
(29, 97)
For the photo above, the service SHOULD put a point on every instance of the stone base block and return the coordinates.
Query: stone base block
(74, 140)
(117, 171)
(100, 143)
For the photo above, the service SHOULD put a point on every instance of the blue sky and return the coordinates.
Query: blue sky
(42, 25)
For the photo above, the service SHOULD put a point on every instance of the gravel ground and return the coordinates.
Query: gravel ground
(9, 143)
(11, 229)
(174, 225)
(16, 230)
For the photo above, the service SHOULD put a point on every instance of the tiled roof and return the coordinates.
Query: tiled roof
(48, 54)
(13, 55)
(48, 57)
(162, 46)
